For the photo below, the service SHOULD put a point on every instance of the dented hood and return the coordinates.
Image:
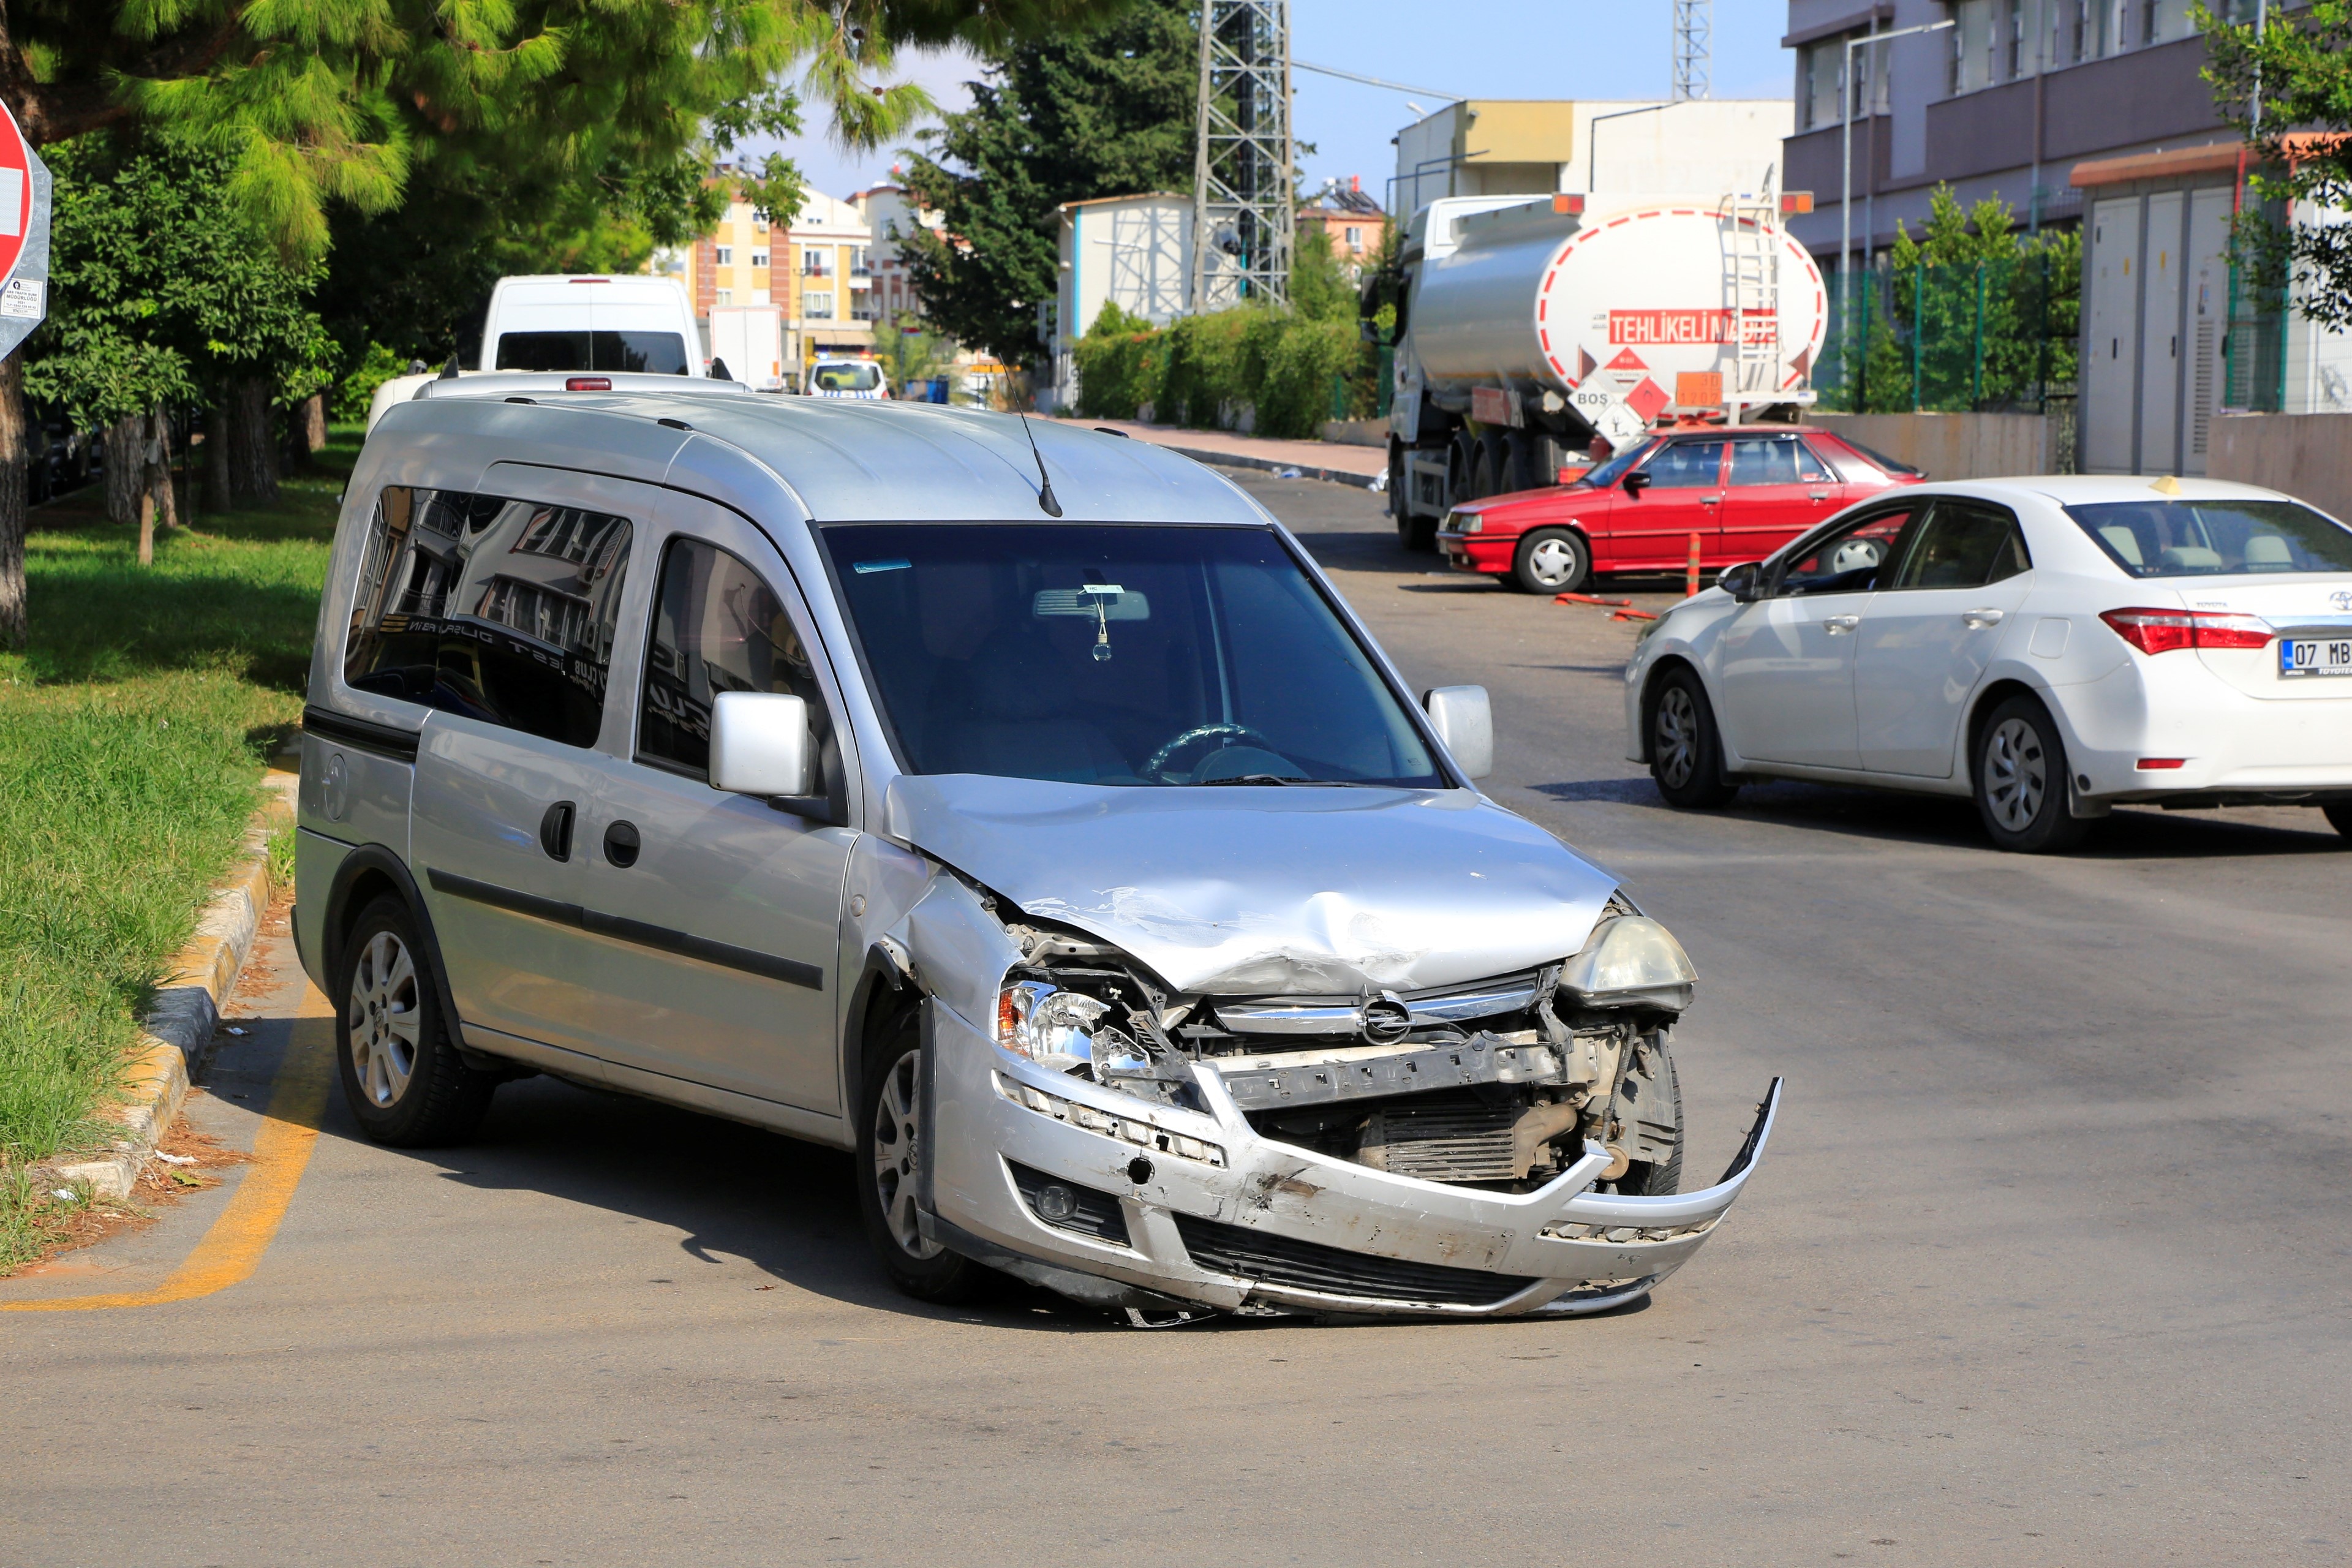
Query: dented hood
(1289, 892)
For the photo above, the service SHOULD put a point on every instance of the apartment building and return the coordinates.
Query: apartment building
(818, 272)
(2087, 112)
(2004, 101)
(1353, 220)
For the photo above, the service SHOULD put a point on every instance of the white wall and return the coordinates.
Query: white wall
(1709, 145)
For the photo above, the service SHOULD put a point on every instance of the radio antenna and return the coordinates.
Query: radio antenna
(1045, 502)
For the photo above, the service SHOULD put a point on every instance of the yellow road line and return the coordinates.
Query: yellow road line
(232, 1248)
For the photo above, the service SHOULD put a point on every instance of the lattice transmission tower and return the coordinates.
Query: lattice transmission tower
(1243, 204)
(1694, 42)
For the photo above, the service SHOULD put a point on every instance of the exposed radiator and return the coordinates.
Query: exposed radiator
(1455, 1143)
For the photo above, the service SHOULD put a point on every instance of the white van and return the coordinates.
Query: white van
(581, 324)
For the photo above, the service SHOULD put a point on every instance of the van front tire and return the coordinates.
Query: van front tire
(402, 1077)
(889, 1169)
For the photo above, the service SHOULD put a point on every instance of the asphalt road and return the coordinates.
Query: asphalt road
(2048, 1262)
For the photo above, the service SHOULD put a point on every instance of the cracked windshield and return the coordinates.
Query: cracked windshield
(1126, 655)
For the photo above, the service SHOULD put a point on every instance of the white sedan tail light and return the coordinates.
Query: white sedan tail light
(2156, 631)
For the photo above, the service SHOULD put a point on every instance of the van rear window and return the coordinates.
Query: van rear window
(501, 610)
(644, 353)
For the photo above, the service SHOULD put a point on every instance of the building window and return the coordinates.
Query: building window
(816, 263)
(758, 259)
(2016, 39)
(726, 297)
(2079, 28)
(859, 265)
(2151, 23)
(726, 256)
(1355, 239)
(760, 223)
(817, 307)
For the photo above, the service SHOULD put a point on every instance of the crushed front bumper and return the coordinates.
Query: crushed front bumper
(1158, 1206)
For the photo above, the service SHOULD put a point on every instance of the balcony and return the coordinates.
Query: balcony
(2100, 106)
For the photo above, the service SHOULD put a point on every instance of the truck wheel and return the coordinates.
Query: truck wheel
(402, 1077)
(1551, 560)
(2020, 781)
(1686, 748)
(890, 1167)
(1461, 463)
(1397, 498)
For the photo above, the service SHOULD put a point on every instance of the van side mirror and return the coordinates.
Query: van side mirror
(1744, 582)
(1465, 722)
(760, 744)
(1636, 482)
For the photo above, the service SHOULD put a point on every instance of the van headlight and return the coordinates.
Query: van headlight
(1631, 962)
(1067, 1031)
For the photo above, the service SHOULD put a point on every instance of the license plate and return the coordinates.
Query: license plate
(2313, 656)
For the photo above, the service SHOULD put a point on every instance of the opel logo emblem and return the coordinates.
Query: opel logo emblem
(1385, 1020)
(2341, 598)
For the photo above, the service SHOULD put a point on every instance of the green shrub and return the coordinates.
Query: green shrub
(348, 404)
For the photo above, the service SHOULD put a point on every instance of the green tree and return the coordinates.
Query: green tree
(615, 106)
(162, 293)
(2288, 88)
(1319, 289)
(1986, 313)
(911, 352)
(1101, 113)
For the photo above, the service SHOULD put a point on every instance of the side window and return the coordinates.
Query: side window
(718, 627)
(501, 610)
(1846, 562)
(1686, 465)
(1961, 545)
(1775, 460)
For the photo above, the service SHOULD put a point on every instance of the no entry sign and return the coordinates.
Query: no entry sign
(24, 236)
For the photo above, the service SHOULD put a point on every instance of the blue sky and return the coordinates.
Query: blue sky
(1482, 48)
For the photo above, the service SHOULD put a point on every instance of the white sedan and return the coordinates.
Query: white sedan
(2052, 646)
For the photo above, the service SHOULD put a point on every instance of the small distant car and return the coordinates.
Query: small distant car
(2054, 647)
(1743, 490)
(854, 378)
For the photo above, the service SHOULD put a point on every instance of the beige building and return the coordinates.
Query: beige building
(1493, 147)
(817, 272)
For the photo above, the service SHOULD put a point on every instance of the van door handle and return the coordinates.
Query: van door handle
(556, 830)
(1838, 624)
(622, 844)
(1977, 620)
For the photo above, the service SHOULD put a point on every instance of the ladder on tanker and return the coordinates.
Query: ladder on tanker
(1751, 288)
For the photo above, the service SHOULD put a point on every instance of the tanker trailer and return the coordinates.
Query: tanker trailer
(1525, 327)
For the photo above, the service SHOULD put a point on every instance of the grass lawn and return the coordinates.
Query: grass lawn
(132, 731)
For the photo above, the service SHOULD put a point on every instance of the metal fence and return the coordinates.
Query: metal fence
(1997, 336)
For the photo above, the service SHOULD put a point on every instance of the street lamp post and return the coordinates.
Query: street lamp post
(1845, 196)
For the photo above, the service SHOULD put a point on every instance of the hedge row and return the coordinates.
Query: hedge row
(1205, 371)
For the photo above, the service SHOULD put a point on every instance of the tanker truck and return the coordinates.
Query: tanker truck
(1524, 328)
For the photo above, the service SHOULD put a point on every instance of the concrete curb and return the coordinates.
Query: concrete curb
(186, 1010)
(1275, 466)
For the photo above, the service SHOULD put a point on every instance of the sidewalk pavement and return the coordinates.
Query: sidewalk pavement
(1363, 466)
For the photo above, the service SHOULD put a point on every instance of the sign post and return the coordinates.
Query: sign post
(24, 236)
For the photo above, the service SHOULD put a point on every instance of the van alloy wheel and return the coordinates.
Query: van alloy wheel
(383, 1017)
(898, 1155)
(2017, 775)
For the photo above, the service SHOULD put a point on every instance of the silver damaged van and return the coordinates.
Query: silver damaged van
(1015, 805)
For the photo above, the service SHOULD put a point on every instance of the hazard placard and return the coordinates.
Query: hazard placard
(24, 236)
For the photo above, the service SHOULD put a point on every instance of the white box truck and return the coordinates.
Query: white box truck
(586, 325)
(749, 340)
(1525, 327)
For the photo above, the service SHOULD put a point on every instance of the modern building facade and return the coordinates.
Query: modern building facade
(1487, 147)
(2003, 102)
(817, 272)
(2087, 112)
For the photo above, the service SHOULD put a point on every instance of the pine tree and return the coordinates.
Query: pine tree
(1107, 114)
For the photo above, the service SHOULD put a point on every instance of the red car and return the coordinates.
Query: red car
(1743, 490)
